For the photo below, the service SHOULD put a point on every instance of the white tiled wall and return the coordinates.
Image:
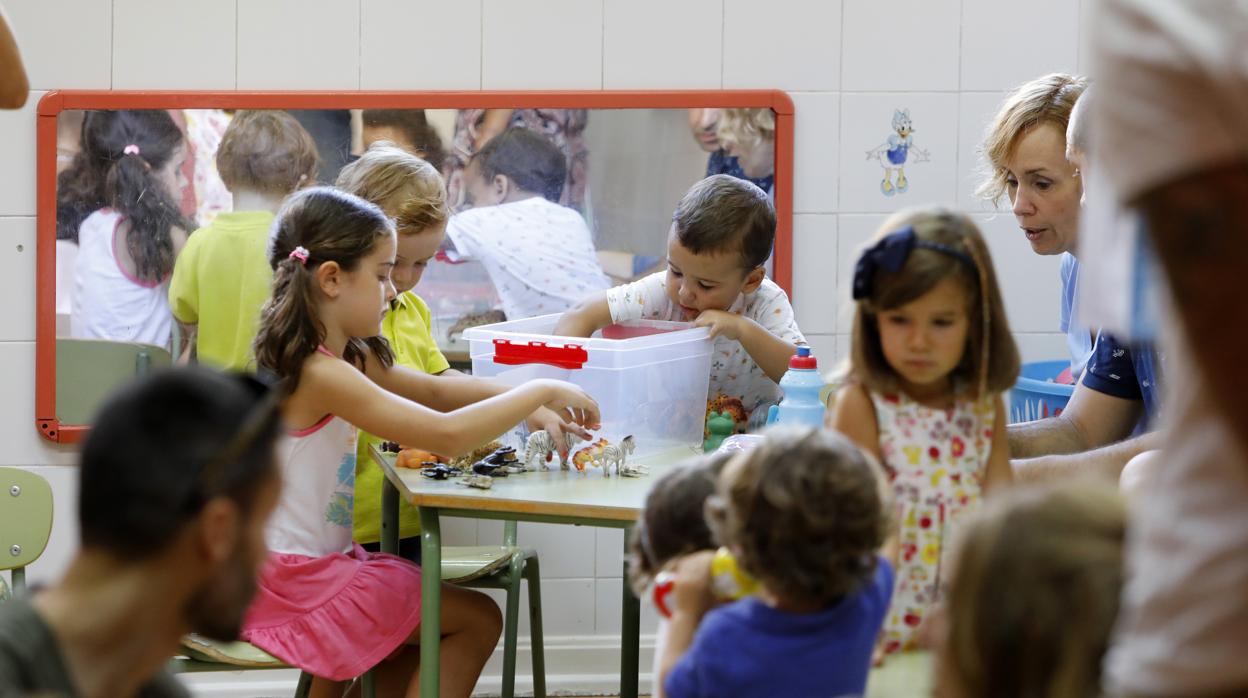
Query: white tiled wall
(848, 65)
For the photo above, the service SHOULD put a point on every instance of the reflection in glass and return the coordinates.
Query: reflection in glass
(537, 222)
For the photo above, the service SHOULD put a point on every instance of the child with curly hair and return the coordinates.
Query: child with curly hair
(805, 514)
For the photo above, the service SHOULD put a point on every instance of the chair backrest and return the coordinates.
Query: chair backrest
(25, 520)
(88, 370)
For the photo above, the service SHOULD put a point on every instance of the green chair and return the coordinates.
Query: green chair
(479, 567)
(25, 523)
(88, 370)
(502, 567)
(201, 654)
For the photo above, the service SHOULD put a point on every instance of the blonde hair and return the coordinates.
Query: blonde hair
(747, 127)
(408, 189)
(990, 363)
(1045, 100)
(1035, 592)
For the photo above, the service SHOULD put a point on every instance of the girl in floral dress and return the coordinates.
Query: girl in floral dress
(931, 354)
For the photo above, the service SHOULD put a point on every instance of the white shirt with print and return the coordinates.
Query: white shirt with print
(734, 373)
(540, 255)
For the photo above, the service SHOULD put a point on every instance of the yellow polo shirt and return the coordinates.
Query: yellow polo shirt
(220, 281)
(408, 330)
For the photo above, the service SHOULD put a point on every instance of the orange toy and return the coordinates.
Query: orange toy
(588, 455)
(413, 457)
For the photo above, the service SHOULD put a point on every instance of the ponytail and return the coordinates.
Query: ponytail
(132, 189)
(121, 152)
(289, 331)
(329, 226)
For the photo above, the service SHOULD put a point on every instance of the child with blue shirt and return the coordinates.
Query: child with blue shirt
(805, 514)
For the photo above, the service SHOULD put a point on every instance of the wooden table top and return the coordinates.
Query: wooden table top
(556, 493)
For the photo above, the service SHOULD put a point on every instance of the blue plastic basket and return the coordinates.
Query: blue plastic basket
(1035, 395)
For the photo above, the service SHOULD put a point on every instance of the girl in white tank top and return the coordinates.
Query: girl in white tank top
(323, 604)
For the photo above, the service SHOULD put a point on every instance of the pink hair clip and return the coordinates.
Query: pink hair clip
(131, 149)
(300, 253)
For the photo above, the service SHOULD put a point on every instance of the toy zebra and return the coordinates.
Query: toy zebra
(616, 454)
(541, 443)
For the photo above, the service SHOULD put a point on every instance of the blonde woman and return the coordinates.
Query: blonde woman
(1025, 147)
(747, 141)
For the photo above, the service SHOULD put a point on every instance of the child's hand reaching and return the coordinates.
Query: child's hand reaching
(549, 421)
(572, 404)
(722, 323)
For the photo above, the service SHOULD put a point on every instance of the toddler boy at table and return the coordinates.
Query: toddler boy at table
(721, 235)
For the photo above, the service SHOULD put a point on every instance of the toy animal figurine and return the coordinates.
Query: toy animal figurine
(731, 406)
(503, 456)
(604, 454)
(539, 444)
(634, 470)
(484, 467)
(481, 482)
(389, 447)
(589, 455)
(466, 460)
(615, 455)
(719, 426)
(440, 471)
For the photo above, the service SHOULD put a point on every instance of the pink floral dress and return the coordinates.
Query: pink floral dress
(936, 460)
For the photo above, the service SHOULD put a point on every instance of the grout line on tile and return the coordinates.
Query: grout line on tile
(481, 47)
(236, 44)
(359, 46)
(723, 40)
(112, 41)
(840, 83)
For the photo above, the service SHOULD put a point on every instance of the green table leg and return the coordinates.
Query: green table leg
(389, 517)
(430, 600)
(630, 632)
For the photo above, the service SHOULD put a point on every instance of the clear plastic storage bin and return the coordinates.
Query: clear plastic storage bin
(649, 377)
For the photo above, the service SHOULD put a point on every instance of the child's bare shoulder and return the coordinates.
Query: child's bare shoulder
(322, 370)
(851, 412)
(851, 396)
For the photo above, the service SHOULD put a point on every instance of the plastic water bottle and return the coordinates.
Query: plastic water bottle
(801, 385)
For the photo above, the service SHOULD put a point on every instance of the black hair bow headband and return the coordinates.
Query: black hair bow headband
(891, 253)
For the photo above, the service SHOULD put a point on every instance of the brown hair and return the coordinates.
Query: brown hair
(722, 214)
(407, 189)
(413, 124)
(1035, 592)
(672, 521)
(333, 226)
(990, 363)
(266, 151)
(527, 158)
(1045, 100)
(804, 513)
(107, 171)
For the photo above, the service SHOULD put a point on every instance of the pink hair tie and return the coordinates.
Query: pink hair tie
(300, 253)
(131, 149)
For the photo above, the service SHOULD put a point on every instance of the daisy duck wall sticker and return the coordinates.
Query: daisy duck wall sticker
(896, 152)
